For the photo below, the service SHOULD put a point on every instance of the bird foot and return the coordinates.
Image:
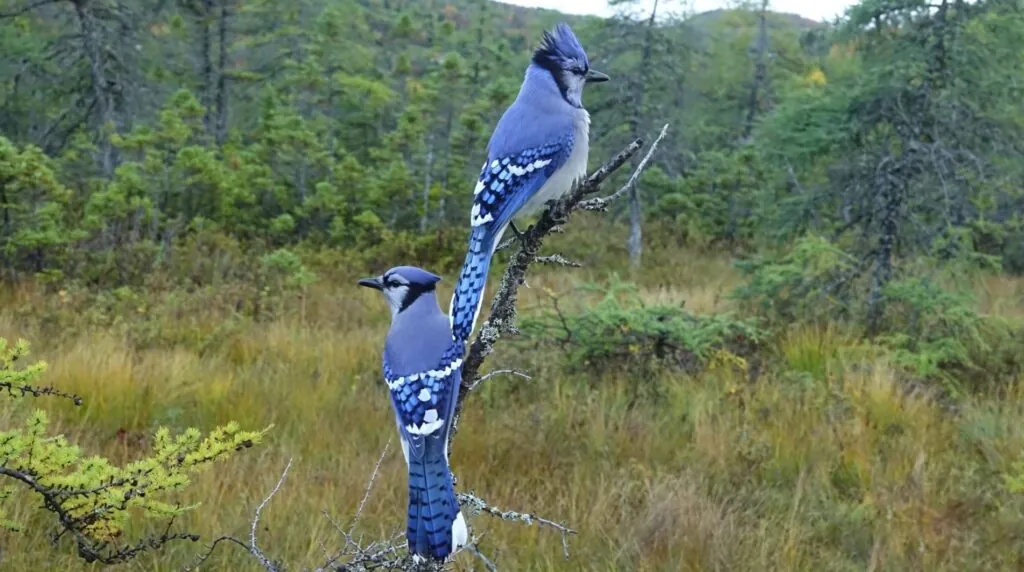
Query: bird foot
(520, 236)
(556, 217)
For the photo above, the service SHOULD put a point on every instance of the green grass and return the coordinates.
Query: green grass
(824, 463)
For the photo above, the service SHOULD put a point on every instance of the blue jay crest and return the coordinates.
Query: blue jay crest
(559, 49)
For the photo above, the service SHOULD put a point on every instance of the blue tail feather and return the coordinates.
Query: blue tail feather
(433, 508)
(469, 290)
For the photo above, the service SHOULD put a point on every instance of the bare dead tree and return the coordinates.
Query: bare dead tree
(389, 554)
(502, 318)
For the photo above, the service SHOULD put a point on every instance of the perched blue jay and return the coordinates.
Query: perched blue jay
(536, 153)
(422, 367)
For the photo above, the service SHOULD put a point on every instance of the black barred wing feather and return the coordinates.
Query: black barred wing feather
(507, 183)
(424, 401)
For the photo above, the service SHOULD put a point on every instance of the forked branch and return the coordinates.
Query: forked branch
(502, 318)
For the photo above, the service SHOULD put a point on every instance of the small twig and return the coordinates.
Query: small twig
(369, 487)
(201, 558)
(562, 320)
(381, 554)
(478, 381)
(347, 535)
(474, 548)
(506, 244)
(253, 547)
(37, 391)
(557, 260)
(480, 505)
(601, 203)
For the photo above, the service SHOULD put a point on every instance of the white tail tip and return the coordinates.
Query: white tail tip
(460, 533)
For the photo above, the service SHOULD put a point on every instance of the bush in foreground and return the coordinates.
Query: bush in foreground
(91, 498)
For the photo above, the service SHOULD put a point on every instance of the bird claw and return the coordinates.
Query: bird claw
(556, 217)
(520, 236)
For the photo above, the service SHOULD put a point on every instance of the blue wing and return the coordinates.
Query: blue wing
(503, 188)
(506, 183)
(425, 401)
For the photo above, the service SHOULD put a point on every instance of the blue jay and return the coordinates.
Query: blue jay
(423, 369)
(537, 151)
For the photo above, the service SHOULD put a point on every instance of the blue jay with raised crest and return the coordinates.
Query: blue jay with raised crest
(536, 153)
(423, 369)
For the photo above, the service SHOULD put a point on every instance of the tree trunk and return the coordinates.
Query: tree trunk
(206, 53)
(428, 173)
(635, 243)
(892, 203)
(760, 72)
(222, 76)
(446, 160)
(104, 102)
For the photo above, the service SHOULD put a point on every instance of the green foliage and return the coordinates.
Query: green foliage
(932, 332)
(809, 283)
(34, 233)
(343, 126)
(938, 334)
(1015, 480)
(92, 499)
(284, 269)
(716, 199)
(623, 331)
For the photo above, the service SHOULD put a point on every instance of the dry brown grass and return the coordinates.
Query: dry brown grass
(824, 464)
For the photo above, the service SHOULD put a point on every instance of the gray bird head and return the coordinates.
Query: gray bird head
(561, 54)
(402, 285)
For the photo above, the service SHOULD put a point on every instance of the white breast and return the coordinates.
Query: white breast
(575, 168)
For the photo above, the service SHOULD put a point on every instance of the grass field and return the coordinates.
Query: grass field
(825, 463)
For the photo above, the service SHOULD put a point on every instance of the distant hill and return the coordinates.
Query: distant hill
(711, 18)
(701, 21)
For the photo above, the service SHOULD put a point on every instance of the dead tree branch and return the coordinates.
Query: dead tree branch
(601, 203)
(385, 554)
(15, 389)
(479, 505)
(253, 546)
(503, 314)
(558, 260)
(484, 378)
(369, 487)
(348, 534)
(474, 548)
(502, 318)
(202, 558)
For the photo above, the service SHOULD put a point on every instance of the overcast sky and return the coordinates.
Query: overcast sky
(813, 9)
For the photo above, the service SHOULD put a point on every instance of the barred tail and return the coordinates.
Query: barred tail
(436, 525)
(469, 290)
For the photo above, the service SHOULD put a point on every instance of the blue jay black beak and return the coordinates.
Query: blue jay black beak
(594, 76)
(374, 283)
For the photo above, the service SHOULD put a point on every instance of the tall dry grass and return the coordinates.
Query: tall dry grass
(824, 463)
